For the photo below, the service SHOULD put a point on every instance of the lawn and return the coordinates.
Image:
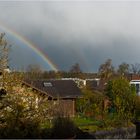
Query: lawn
(87, 124)
(93, 125)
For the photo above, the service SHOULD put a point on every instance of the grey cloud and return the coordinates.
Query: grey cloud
(84, 32)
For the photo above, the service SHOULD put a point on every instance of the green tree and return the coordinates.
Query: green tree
(91, 104)
(122, 95)
(19, 110)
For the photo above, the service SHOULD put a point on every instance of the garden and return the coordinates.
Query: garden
(117, 107)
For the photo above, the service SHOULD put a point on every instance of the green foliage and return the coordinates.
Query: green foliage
(122, 96)
(21, 117)
(91, 104)
(109, 91)
(22, 129)
(91, 124)
(84, 121)
(18, 116)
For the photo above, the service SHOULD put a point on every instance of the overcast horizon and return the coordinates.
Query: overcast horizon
(71, 32)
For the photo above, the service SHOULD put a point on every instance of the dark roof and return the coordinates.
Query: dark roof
(56, 88)
(133, 77)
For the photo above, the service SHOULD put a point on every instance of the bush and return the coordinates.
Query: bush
(26, 129)
(91, 105)
(122, 96)
(63, 128)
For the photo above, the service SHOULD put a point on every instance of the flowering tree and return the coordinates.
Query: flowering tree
(21, 109)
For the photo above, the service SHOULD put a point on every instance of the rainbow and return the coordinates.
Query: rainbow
(30, 45)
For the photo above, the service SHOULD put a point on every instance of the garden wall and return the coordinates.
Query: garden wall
(123, 133)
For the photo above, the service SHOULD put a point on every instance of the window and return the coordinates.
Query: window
(137, 88)
(47, 84)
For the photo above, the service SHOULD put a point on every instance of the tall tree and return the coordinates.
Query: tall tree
(135, 68)
(4, 51)
(20, 111)
(122, 95)
(76, 71)
(106, 69)
(123, 68)
(75, 68)
(34, 71)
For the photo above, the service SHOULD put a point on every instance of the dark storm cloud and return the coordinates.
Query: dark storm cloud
(83, 32)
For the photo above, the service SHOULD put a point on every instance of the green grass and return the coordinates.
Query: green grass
(82, 121)
(88, 124)
(89, 128)
(47, 124)
(85, 121)
(92, 125)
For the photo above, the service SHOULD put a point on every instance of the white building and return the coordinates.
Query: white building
(82, 82)
(137, 85)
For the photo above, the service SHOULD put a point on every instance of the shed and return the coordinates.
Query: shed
(66, 91)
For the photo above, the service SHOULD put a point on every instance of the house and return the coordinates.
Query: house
(133, 77)
(80, 82)
(96, 84)
(64, 91)
(135, 80)
(136, 83)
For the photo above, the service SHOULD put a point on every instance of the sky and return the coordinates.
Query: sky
(87, 32)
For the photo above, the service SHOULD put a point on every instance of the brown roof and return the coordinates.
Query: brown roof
(56, 88)
(133, 77)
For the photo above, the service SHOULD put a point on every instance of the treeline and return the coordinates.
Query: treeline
(105, 71)
(35, 72)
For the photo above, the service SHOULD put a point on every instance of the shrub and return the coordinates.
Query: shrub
(26, 129)
(122, 96)
(63, 128)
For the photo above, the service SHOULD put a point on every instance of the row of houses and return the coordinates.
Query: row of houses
(99, 84)
(67, 90)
